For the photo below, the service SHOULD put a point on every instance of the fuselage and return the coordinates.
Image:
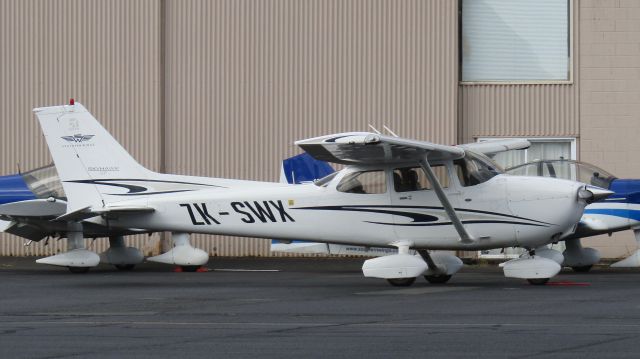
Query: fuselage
(368, 206)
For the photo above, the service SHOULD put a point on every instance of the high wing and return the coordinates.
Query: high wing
(491, 147)
(371, 148)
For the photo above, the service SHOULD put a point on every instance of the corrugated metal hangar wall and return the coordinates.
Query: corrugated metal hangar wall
(223, 87)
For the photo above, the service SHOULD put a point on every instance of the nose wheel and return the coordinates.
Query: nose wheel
(538, 281)
(437, 279)
(401, 282)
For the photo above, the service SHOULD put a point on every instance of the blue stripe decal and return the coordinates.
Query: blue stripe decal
(623, 213)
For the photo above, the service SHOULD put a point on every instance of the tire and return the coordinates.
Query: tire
(437, 279)
(189, 268)
(582, 269)
(124, 267)
(538, 281)
(78, 270)
(401, 282)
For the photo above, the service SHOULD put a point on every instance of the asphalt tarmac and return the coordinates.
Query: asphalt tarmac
(311, 308)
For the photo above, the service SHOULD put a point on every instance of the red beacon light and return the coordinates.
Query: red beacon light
(72, 102)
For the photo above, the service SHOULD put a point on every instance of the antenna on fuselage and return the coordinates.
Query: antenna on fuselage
(374, 129)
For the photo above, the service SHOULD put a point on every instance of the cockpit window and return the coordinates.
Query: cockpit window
(475, 168)
(366, 182)
(409, 179)
(44, 182)
(566, 169)
(324, 181)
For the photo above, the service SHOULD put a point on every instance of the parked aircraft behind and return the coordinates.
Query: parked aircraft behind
(393, 192)
(619, 212)
(31, 201)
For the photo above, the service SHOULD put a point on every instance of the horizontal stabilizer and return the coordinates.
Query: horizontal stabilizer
(87, 212)
(124, 209)
(27, 231)
(34, 208)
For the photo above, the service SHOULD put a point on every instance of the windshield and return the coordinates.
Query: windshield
(475, 168)
(566, 169)
(44, 182)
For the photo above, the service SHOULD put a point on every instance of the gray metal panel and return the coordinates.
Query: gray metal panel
(245, 79)
(105, 54)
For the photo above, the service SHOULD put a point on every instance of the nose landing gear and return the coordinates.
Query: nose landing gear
(536, 269)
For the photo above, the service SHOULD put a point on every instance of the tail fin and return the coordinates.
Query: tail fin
(303, 168)
(85, 154)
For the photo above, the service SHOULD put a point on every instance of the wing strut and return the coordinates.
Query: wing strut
(464, 235)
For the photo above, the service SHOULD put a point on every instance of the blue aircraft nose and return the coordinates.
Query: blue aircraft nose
(13, 188)
(625, 185)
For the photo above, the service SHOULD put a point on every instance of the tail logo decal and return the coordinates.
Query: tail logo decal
(77, 138)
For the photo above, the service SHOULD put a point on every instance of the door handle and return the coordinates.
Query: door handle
(406, 197)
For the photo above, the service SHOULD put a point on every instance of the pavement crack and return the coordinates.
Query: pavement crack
(545, 353)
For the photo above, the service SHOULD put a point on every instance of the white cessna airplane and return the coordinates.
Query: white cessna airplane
(393, 192)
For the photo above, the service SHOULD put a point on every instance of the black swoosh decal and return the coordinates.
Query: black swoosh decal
(336, 138)
(423, 207)
(139, 190)
(463, 222)
(146, 193)
(416, 217)
(132, 188)
(367, 208)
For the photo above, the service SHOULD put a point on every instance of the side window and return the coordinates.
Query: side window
(409, 179)
(368, 182)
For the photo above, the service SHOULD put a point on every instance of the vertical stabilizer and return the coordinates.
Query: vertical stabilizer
(85, 155)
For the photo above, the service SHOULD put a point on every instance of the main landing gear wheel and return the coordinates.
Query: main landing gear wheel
(401, 282)
(78, 270)
(190, 268)
(125, 267)
(437, 279)
(538, 281)
(582, 269)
